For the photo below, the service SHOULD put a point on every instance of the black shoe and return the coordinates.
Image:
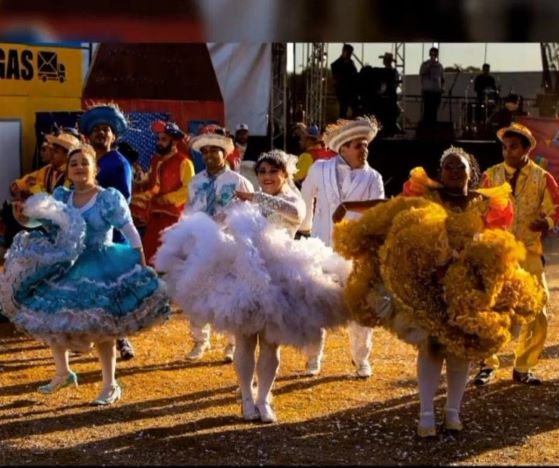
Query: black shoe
(526, 378)
(125, 348)
(484, 376)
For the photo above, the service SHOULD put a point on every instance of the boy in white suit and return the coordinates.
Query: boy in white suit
(210, 191)
(345, 177)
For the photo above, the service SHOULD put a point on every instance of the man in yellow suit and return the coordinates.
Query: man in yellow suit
(536, 199)
(46, 179)
(53, 174)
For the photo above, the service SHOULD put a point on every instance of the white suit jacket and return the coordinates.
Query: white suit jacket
(321, 185)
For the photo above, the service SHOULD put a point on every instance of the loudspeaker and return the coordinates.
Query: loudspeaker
(435, 131)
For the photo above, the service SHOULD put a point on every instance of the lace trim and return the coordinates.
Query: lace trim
(84, 208)
(94, 324)
(39, 253)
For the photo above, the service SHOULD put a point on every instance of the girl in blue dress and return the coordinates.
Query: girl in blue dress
(70, 285)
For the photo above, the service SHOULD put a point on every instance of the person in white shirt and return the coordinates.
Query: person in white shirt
(346, 177)
(432, 82)
(235, 158)
(211, 191)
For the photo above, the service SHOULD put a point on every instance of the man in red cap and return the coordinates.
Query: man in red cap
(236, 156)
(167, 185)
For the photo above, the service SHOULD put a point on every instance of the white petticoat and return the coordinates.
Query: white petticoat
(247, 276)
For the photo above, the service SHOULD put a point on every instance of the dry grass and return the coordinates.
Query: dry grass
(173, 412)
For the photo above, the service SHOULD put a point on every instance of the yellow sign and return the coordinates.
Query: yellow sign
(40, 71)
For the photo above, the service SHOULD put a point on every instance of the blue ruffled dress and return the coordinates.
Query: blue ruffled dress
(71, 285)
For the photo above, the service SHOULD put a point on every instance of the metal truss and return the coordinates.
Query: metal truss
(550, 65)
(400, 57)
(278, 97)
(316, 68)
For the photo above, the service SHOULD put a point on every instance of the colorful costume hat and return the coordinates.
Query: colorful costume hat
(108, 114)
(66, 140)
(170, 128)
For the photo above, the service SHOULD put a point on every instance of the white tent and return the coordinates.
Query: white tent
(244, 73)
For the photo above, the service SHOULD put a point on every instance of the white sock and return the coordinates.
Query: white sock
(245, 361)
(107, 357)
(457, 370)
(429, 367)
(267, 369)
(360, 341)
(316, 351)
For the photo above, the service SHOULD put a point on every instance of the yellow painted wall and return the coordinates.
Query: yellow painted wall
(30, 82)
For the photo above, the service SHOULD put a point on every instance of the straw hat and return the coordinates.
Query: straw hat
(66, 140)
(346, 130)
(212, 139)
(521, 130)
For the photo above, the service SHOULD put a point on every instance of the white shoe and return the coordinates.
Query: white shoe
(313, 366)
(364, 370)
(198, 351)
(229, 353)
(267, 414)
(249, 411)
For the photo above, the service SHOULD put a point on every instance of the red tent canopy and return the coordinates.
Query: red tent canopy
(174, 78)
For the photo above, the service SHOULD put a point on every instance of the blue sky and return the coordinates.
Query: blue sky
(518, 56)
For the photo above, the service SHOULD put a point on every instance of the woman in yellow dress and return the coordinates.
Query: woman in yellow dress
(436, 266)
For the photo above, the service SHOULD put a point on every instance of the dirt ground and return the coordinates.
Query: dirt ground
(176, 413)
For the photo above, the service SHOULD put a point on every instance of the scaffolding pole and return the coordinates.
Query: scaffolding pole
(400, 64)
(278, 97)
(317, 64)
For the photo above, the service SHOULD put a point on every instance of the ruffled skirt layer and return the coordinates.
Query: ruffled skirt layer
(61, 291)
(249, 277)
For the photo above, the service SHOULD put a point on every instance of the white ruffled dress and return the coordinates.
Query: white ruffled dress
(248, 275)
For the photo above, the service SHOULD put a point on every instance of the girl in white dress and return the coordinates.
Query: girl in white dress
(248, 276)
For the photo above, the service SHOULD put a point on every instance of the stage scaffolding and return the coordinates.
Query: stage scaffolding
(317, 65)
(278, 96)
